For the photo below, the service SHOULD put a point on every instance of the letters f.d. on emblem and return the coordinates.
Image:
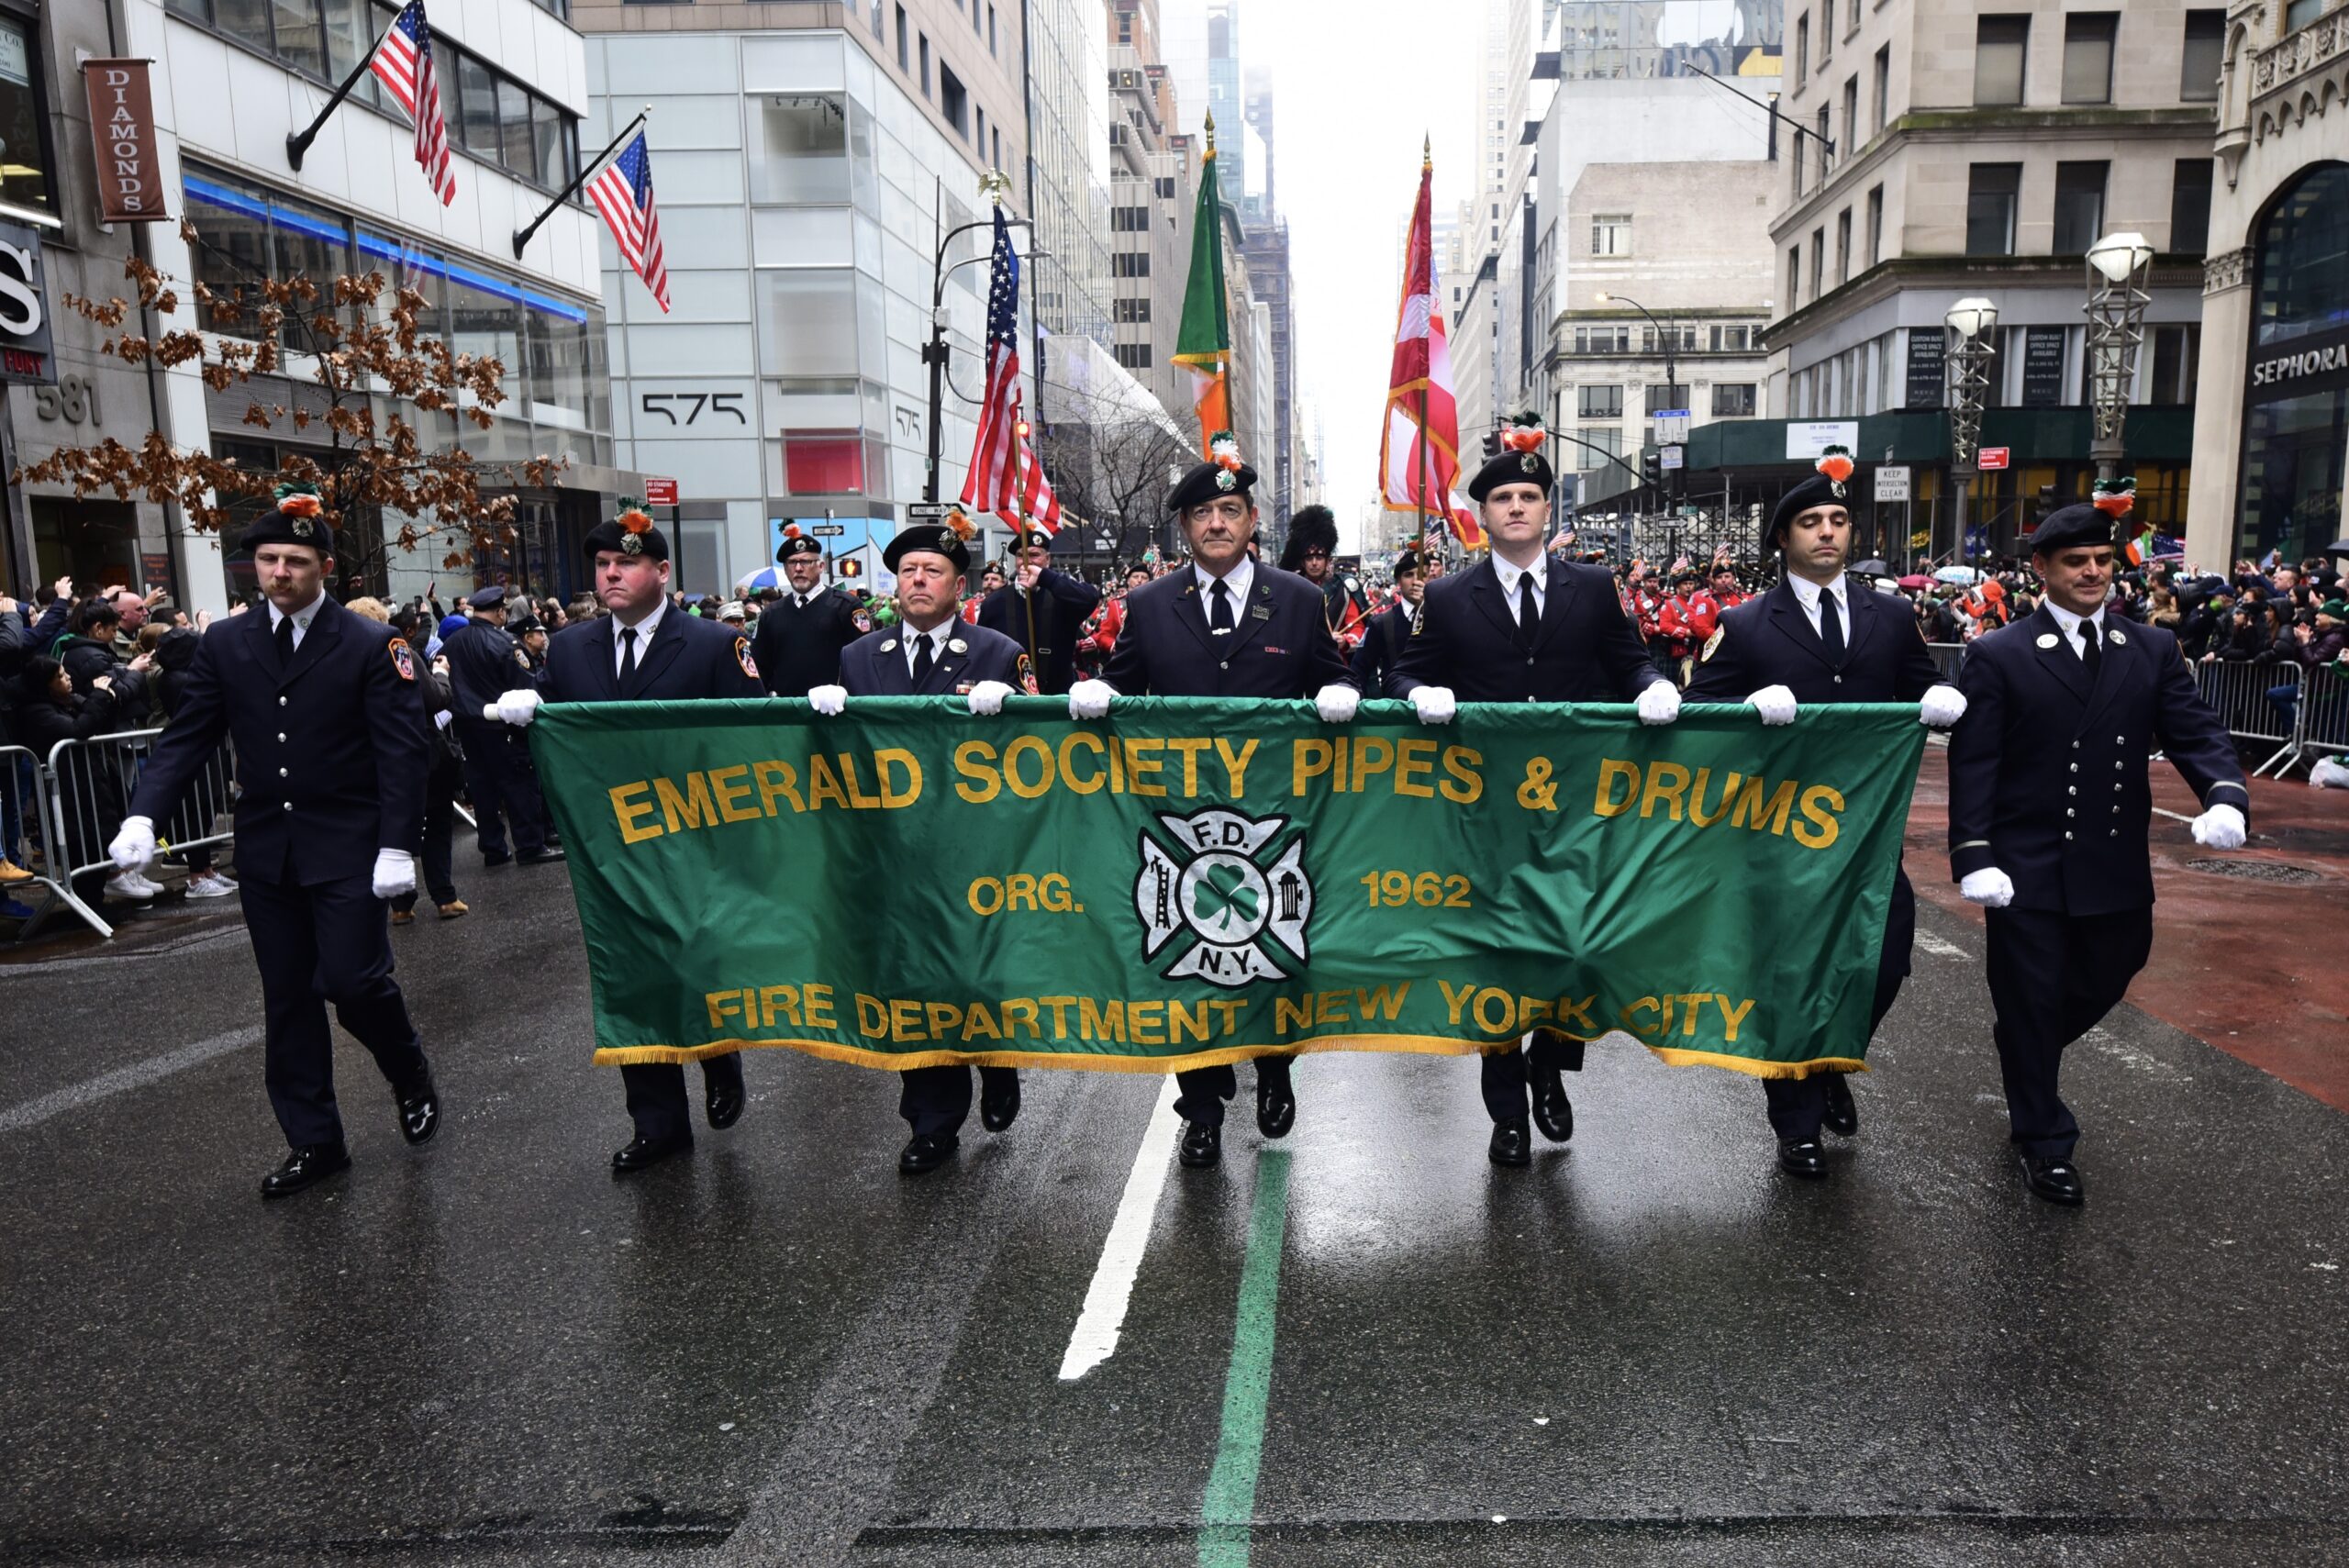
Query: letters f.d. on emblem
(1228, 910)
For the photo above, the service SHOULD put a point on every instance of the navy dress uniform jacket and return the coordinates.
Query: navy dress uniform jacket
(1584, 650)
(1062, 606)
(1768, 642)
(330, 750)
(2048, 776)
(1279, 645)
(1381, 649)
(484, 662)
(874, 665)
(798, 650)
(687, 658)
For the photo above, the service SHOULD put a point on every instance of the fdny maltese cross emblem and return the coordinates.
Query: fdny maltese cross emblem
(1216, 900)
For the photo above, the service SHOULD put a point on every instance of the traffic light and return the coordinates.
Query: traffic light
(852, 567)
(1651, 468)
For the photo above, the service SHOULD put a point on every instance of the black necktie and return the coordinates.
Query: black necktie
(923, 646)
(284, 643)
(799, 602)
(1220, 611)
(2091, 650)
(1830, 626)
(1529, 614)
(628, 651)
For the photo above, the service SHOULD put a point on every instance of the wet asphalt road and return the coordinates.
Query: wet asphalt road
(1649, 1348)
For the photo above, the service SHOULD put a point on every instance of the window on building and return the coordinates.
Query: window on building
(1826, 145)
(517, 145)
(1793, 276)
(924, 42)
(1598, 442)
(1736, 340)
(990, 29)
(1844, 246)
(978, 27)
(903, 45)
(25, 182)
(2189, 206)
(1876, 225)
(2087, 56)
(823, 462)
(1818, 262)
(1129, 264)
(801, 152)
(2298, 13)
(879, 21)
(1133, 309)
(2178, 354)
(1663, 397)
(1851, 115)
(1883, 88)
(1734, 400)
(1999, 47)
(1130, 221)
(1794, 163)
(1133, 356)
(2079, 206)
(1826, 31)
(1802, 51)
(953, 102)
(1991, 192)
(2198, 60)
(1598, 402)
(1610, 234)
(994, 151)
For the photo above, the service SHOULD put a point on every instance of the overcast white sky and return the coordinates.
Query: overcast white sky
(1357, 85)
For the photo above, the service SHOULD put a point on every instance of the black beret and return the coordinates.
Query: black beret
(935, 539)
(1818, 490)
(299, 518)
(1409, 562)
(1206, 481)
(796, 544)
(1510, 468)
(2069, 528)
(630, 533)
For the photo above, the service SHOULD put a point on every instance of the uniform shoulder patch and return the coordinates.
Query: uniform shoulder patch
(1026, 676)
(403, 659)
(1712, 643)
(521, 658)
(861, 619)
(742, 657)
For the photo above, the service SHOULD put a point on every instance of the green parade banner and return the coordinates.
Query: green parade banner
(1197, 881)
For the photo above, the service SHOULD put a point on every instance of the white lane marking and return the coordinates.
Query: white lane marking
(138, 1075)
(1094, 1338)
(1938, 947)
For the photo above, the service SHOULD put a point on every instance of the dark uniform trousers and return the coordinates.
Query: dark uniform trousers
(1279, 647)
(504, 789)
(1582, 649)
(2052, 976)
(686, 660)
(1769, 641)
(935, 1101)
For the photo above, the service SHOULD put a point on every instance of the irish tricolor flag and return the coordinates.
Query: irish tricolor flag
(1203, 346)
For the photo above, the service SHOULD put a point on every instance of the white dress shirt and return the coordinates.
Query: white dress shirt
(1509, 574)
(301, 618)
(1807, 594)
(644, 630)
(937, 636)
(2070, 624)
(1237, 581)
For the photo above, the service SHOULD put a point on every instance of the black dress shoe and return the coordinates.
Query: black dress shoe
(925, 1151)
(1512, 1143)
(1802, 1157)
(1276, 1108)
(1202, 1145)
(499, 859)
(420, 1112)
(305, 1166)
(643, 1153)
(2056, 1180)
(539, 857)
(1843, 1115)
(1553, 1112)
(998, 1108)
(724, 1103)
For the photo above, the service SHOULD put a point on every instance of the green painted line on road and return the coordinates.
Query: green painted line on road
(1230, 1504)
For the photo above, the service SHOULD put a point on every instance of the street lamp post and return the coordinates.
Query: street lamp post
(2120, 266)
(1972, 321)
(1664, 333)
(934, 353)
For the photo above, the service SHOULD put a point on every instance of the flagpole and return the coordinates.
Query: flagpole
(522, 236)
(298, 143)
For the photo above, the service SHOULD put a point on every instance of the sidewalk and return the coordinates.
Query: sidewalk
(2256, 964)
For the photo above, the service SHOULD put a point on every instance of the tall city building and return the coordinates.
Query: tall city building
(1153, 198)
(806, 174)
(229, 83)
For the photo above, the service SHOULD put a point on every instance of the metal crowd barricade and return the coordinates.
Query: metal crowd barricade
(2324, 718)
(1947, 657)
(2237, 691)
(82, 791)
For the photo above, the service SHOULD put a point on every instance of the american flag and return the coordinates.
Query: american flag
(402, 63)
(1004, 477)
(623, 194)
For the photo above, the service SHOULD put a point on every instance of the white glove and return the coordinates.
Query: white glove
(2220, 828)
(1941, 707)
(828, 700)
(1660, 704)
(1775, 705)
(517, 706)
(1990, 887)
(986, 697)
(134, 848)
(1090, 699)
(1336, 703)
(1434, 704)
(394, 873)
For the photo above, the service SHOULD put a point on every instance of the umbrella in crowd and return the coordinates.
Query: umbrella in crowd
(1957, 574)
(1915, 580)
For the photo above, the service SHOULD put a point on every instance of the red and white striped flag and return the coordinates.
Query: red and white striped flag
(1418, 451)
(992, 483)
(622, 192)
(402, 63)
(1038, 503)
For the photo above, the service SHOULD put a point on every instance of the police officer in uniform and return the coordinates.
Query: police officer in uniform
(931, 651)
(1524, 626)
(1390, 628)
(797, 646)
(1227, 626)
(645, 650)
(2050, 816)
(1817, 638)
(483, 662)
(1062, 604)
(328, 726)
